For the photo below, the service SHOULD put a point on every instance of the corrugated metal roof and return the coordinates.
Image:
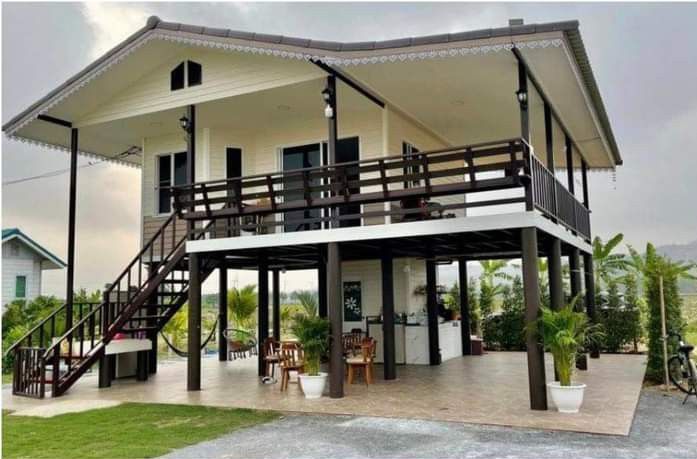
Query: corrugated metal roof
(11, 233)
(569, 28)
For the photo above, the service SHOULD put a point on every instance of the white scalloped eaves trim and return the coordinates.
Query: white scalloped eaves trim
(86, 154)
(332, 60)
(268, 51)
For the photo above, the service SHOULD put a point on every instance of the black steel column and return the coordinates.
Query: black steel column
(549, 142)
(556, 287)
(222, 313)
(522, 94)
(465, 327)
(191, 156)
(388, 338)
(153, 311)
(590, 295)
(322, 282)
(334, 303)
(531, 287)
(276, 301)
(584, 178)
(194, 333)
(432, 311)
(334, 283)
(72, 196)
(575, 272)
(569, 164)
(263, 320)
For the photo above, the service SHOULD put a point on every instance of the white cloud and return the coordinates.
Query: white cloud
(111, 23)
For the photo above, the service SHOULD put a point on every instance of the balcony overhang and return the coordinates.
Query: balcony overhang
(451, 232)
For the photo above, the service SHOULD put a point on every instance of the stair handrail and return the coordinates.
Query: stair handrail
(43, 321)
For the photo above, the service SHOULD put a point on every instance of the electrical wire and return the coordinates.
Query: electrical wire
(48, 174)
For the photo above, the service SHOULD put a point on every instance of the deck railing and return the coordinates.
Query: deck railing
(396, 187)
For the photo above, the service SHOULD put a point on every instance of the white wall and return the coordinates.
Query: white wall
(27, 263)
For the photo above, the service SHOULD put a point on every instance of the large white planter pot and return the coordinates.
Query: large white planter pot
(568, 399)
(313, 386)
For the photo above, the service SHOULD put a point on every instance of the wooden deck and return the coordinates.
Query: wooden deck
(491, 389)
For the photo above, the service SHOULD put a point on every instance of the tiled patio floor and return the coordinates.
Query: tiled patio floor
(491, 389)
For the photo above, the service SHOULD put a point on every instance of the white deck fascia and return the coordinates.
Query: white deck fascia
(409, 229)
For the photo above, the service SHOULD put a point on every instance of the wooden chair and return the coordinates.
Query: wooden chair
(362, 362)
(291, 360)
(271, 355)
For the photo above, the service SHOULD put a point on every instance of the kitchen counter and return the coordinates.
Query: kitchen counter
(411, 342)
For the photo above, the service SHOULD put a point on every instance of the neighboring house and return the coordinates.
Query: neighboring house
(369, 162)
(23, 261)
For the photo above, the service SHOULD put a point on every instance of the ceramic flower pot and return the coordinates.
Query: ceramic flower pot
(568, 399)
(313, 386)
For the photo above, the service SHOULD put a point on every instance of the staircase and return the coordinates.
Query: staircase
(142, 299)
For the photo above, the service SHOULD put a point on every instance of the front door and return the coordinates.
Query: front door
(301, 157)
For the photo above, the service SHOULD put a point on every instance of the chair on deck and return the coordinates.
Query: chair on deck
(351, 343)
(362, 362)
(270, 351)
(291, 360)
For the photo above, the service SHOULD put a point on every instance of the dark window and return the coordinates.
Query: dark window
(176, 78)
(166, 170)
(300, 158)
(233, 162)
(21, 286)
(409, 151)
(194, 72)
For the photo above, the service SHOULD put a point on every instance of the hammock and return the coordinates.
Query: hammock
(181, 353)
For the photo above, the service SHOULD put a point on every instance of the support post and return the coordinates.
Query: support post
(276, 303)
(569, 164)
(535, 353)
(263, 320)
(556, 288)
(334, 303)
(191, 157)
(465, 326)
(590, 296)
(523, 101)
(72, 197)
(584, 178)
(222, 313)
(432, 311)
(388, 333)
(194, 335)
(153, 310)
(549, 143)
(575, 271)
(333, 270)
(322, 282)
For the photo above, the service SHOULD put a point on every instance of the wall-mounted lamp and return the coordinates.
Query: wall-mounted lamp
(184, 123)
(328, 99)
(522, 97)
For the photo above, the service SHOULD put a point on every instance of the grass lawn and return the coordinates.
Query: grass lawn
(131, 430)
(7, 378)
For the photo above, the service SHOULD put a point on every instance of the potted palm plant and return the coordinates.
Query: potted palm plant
(313, 334)
(565, 333)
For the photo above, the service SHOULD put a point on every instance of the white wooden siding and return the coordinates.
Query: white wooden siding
(224, 75)
(27, 263)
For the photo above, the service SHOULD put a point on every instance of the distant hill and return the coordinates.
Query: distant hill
(684, 252)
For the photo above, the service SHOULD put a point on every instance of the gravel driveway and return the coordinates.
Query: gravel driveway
(663, 428)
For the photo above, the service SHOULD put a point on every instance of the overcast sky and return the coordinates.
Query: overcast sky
(643, 56)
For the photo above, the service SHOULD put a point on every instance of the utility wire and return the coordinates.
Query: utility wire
(48, 174)
(58, 172)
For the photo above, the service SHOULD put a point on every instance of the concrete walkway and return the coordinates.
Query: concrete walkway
(663, 428)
